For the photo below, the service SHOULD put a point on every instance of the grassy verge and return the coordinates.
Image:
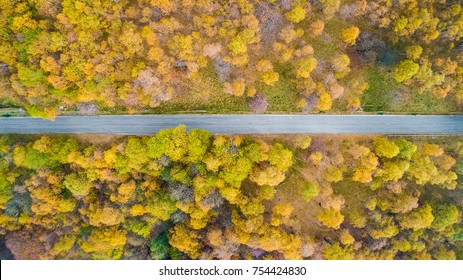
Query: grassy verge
(282, 97)
(385, 94)
(205, 95)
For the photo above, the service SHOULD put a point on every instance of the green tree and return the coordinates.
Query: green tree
(135, 151)
(77, 184)
(414, 52)
(280, 157)
(445, 215)
(6, 191)
(405, 70)
(386, 149)
(458, 167)
(171, 142)
(310, 190)
(199, 142)
(32, 159)
(419, 218)
(407, 148)
(159, 247)
(337, 252)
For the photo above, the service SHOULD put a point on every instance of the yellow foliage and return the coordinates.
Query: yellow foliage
(155, 54)
(50, 65)
(215, 237)
(64, 244)
(350, 34)
(185, 240)
(232, 195)
(414, 52)
(316, 157)
(277, 239)
(78, 158)
(301, 103)
(270, 77)
(252, 224)
(341, 62)
(284, 210)
(57, 82)
(237, 46)
(106, 216)
(125, 192)
(296, 15)
(331, 218)
(251, 91)
(149, 36)
(236, 89)
(317, 27)
(23, 21)
(305, 66)
(354, 103)
(264, 65)
(106, 241)
(110, 156)
(325, 102)
(212, 163)
(432, 150)
(346, 238)
(138, 210)
(198, 224)
(269, 176)
(48, 201)
(303, 142)
(281, 214)
(182, 47)
(253, 207)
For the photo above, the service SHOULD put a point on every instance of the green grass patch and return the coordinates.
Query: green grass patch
(323, 48)
(428, 103)
(386, 95)
(282, 97)
(328, 45)
(382, 87)
(6, 103)
(203, 94)
(355, 195)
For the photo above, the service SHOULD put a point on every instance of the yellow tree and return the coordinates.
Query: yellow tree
(350, 34)
(185, 240)
(105, 243)
(331, 218)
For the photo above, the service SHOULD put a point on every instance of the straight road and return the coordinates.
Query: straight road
(238, 124)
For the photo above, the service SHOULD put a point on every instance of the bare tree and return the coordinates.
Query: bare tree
(258, 104)
(270, 21)
(213, 200)
(223, 69)
(87, 108)
(4, 71)
(181, 193)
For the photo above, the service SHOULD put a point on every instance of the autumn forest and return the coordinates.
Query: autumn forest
(193, 195)
(164, 56)
(185, 193)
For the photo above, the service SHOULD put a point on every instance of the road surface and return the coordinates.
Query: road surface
(238, 124)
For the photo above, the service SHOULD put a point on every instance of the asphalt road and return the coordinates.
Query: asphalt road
(239, 124)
